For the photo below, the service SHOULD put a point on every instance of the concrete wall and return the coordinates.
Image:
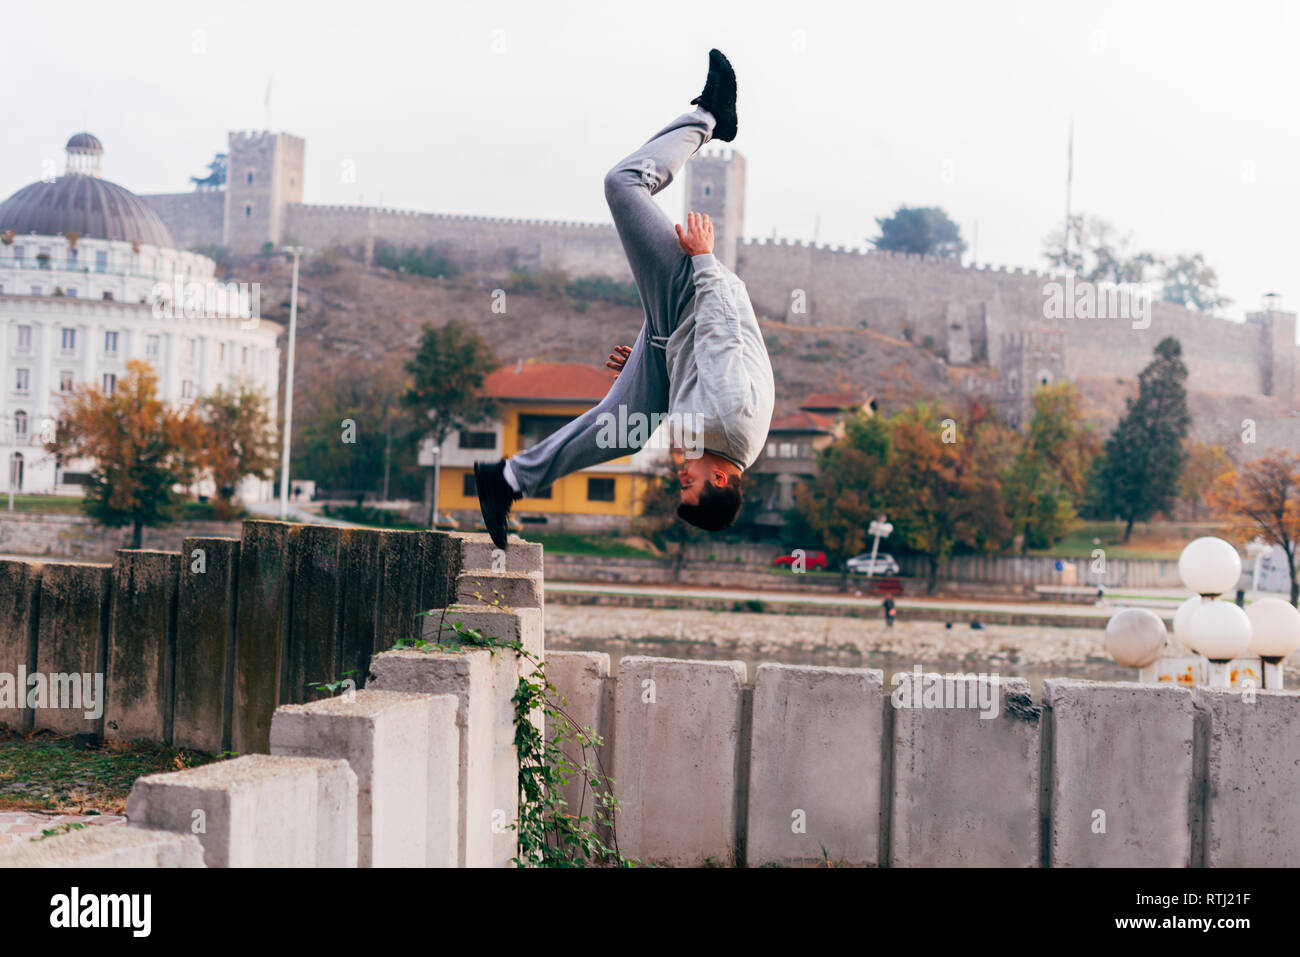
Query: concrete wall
(59, 536)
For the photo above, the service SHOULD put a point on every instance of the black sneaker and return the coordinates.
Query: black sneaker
(719, 96)
(494, 499)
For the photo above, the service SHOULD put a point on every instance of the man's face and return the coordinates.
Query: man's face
(694, 474)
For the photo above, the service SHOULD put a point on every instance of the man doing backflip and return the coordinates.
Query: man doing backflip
(699, 357)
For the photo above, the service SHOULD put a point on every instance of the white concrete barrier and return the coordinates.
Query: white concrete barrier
(965, 768)
(106, 846)
(815, 766)
(404, 750)
(257, 811)
(581, 678)
(487, 767)
(677, 728)
(1252, 778)
(1121, 761)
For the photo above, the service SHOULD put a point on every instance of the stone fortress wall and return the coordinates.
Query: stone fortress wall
(962, 313)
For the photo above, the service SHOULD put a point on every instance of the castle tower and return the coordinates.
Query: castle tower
(715, 184)
(264, 172)
(1028, 360)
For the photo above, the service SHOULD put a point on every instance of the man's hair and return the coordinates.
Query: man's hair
(717, 508)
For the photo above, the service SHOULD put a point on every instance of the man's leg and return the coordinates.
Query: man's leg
(662, 273)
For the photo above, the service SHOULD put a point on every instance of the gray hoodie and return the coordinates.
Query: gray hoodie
(718, 369)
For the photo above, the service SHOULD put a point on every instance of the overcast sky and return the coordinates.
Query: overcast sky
(1186, 123)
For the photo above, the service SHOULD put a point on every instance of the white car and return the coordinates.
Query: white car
(862, 564)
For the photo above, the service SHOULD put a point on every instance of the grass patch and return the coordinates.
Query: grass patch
(570, 543)
(372, 517)
(44, 771)
(1160, 541)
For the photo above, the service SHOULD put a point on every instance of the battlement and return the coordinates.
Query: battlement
(314, 209)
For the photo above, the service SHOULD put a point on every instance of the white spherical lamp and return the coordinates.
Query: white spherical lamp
(1135, 637)
(1275, 633)
(1220, 631)
(1183, 620)
(1209, 566)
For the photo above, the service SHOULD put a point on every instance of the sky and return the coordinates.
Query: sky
(1186, 130)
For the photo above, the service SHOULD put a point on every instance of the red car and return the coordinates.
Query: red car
(811, 560)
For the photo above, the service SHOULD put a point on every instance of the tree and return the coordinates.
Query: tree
(1205, 463)
(1049, 473)
(1263, 498)
(848, 490)
(1098, 253)
(447, 376)
(1189, 282)
(139, 447)
(238, 440)
(1138, 471)
(945, 483)
(658, 520)
(920, 231)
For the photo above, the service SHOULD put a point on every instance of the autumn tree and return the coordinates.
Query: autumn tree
(1263, 499)
(1098, 252)
(447, 374)
(1205, 463)
(848, 489)
(238, 440)
(141, 450)
(1138, 471)
(1048, 475)
(944, 483)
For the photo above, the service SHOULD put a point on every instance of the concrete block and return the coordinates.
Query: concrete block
(205, 643)
(477, 553)
(400, 555)
(677, 743)
(504, 589)
(1252, 777)
(142, 646)
(440, 564)
(261, 626)
(1121, 763)
(106, 846)
(314, 611)
(965, 790)
(522, 625)
(404, 749)
(72, 636)
(20, 585)
(359, 593)
(815, 766)
(488, 774)
(257, 811)
(581, 680)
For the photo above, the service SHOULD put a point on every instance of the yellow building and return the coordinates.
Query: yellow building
(534, 399)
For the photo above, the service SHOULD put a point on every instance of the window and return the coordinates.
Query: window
(187, 388)
(72, 292)
(250, 176)
(36, 291)
(191, 350)
(108, 296)
(68, 340)
(72, 259)
(24, 338)
(22, 380)
(468, 487)
(65, 380)
(151, 347)
(542, 493)
(20, 423)
(221, 354)
(248, 211)
(20, 254)
(110, 343)
(109, 382)
(478, 440)
(600, 490)
(243, 356)
(101, 261)
(534, 428)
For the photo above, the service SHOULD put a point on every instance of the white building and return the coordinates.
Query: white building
(89, 279)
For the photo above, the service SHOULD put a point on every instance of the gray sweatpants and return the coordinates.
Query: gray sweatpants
(664, 279)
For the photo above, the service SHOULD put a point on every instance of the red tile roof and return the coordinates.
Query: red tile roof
(833, 400)
(549, 382)
(803, 422)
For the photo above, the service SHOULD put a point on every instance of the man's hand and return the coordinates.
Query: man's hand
(698, 238)
(618, 358)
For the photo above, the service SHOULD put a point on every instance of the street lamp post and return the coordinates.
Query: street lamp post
(296, 252)
(877, 530)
